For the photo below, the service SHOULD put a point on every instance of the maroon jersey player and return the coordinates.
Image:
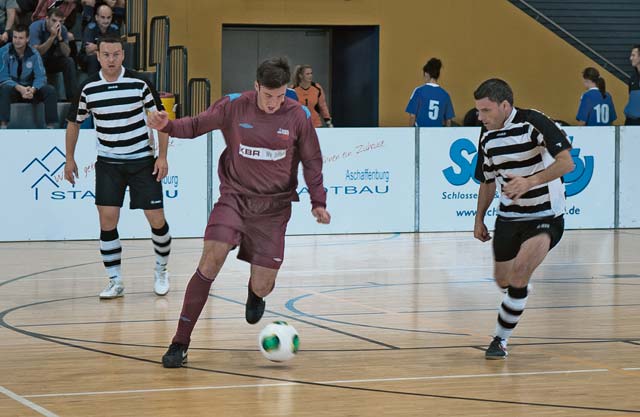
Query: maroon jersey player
(267, 136)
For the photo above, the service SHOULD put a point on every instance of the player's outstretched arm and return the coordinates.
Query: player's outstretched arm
(71, 139)
(322, 215)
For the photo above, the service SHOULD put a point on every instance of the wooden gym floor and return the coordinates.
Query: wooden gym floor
(392, 325)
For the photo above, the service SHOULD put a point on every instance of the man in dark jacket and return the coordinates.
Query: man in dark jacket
(23, 78)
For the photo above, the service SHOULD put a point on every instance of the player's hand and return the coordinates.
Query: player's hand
(161, 168)
(158, 120)
(71, 171)
(322, 215)
(480, 232)
(516, 187)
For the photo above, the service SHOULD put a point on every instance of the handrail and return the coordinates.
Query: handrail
(198, 97)
(578, 41)
(177, 84)
(136, 21)
(159, 49)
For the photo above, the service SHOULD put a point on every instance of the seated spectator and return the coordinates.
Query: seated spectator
(8, 10)
(49, 37)
(88, 57)
(596, 106)
(90, 7)
(23, 78)
(24, 11)
(69, 9)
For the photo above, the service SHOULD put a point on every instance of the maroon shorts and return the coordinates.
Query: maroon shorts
(256, 225)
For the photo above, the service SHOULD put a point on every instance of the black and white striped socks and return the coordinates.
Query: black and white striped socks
(510, 311)
(111, 252)
(162, 246)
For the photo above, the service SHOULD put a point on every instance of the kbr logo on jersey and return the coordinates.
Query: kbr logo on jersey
(578, 179)
(460, 152)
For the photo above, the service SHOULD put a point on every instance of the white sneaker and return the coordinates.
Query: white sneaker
(161, 282)
(114, 289)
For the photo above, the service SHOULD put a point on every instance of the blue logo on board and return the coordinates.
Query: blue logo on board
(464, 155)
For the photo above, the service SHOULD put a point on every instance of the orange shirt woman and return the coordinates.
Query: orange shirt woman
(311, 95)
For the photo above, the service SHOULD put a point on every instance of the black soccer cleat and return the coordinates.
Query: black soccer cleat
(254, 309)
(496, 349)
(175, 357)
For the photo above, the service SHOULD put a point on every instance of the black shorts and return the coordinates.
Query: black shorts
(112, 180)
(508, 236)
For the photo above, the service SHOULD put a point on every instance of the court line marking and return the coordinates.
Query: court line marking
(631, 369)
(346, 381)
(315, 272)
(25, 402)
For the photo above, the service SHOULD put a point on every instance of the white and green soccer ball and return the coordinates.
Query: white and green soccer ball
(279, 341)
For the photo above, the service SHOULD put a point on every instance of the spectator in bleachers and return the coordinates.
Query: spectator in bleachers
(632, 109)
(24, 11)
(90, 7)
(88, 57)
(23, 78)
(596, 106)
(69, 9)
(50, 38)
(430, 105)
(8, 10)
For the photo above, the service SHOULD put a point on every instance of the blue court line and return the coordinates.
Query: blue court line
(290, 305)
(355, 336)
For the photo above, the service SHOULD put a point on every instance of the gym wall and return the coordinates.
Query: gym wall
(475, 39)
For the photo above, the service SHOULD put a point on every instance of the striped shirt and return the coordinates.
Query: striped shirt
(526, 145)
(119, 111)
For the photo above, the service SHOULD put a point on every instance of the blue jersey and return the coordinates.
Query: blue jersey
(595, 110)
(431, 105)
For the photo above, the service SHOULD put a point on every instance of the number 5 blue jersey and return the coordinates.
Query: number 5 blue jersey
(595, 110)
(431, 105)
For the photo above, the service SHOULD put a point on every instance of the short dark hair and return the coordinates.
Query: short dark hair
(495, 90)
(273, 73)
(636, 46)
(432, 67)
(21, 28)
(110, 37)
(54, 11)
